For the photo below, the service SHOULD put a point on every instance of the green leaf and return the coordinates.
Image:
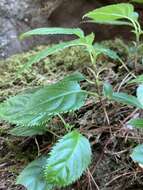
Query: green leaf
(137, 154)
(52, 31)
(32, 176)
(35, 108)
(106, 51)
(140, 94)
(137, 1)
(27, 131)
(107, 90)
(138, 123)
(126, 99)
(76, 76)
(46, 52)
(68, 160)
(137, 80)
(111, 14)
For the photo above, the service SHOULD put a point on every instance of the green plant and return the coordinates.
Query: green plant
(137, 153)
(119, 14)
(32, 110)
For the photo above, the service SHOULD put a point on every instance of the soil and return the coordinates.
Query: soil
(112, 141)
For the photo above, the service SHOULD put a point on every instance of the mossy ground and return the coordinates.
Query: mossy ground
(112, 168)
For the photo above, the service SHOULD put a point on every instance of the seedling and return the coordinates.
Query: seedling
(32, 110)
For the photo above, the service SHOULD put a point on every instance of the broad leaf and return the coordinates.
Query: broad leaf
(138, 123)
(112, 14)
(32, 176)
(140, 94)
(52, 31)
(27, 131)
(137, 154)
(126, 99)
(35, 108)
(68, 160)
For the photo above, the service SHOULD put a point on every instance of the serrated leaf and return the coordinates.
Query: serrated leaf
(107, 90)
(68, 160)
(137, 154)
(137, 80)
(126, 99)
(36, 108)
(27, 131)
(111, 14)
(138, 123)
(32, 176)
(106, 51)
(140, 94)
(52, 31)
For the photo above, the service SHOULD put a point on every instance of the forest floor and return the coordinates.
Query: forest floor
(112, 141)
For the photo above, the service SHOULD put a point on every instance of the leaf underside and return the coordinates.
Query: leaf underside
(68, 159)
(32, 176)
(137, 154)
(140, 94)
(113, 13)
(27, 131)
(126, 99)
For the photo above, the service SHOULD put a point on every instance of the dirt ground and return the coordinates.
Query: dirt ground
(112, 141)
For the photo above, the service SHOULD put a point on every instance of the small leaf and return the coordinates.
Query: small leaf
(111, 14)
(107, 90)
(52, 31)
(76, 76)
(137, 80)
(137, 1)
(68, 160)
(140, 94)
(32, 176)
(106, 51)
(37, 107)
(126, 99)
(27, 131)
(138, 123)
(137, 154)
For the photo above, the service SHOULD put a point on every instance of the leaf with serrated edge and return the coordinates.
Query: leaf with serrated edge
(68, 159)
(27, 131)
(38, 107)
(112, 14)
(32, 176)
(137, 154)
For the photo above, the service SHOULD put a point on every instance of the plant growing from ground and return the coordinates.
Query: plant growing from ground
(32, 110)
